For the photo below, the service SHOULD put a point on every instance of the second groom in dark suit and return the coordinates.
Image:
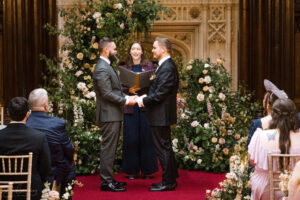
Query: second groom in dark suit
(109, 116)
(162, 111)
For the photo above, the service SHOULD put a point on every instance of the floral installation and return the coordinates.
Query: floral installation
(284, 182)
(69, 78)
(237, 184)
(213, 121)
(48, 194)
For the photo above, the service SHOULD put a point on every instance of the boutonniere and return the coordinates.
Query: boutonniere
(152, 77)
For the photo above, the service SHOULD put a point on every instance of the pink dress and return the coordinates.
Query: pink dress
(260, 184)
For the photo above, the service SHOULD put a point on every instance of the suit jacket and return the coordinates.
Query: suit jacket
(109, 95)
(60, 145)
(161, 100)
(18, 139)
(130, 109)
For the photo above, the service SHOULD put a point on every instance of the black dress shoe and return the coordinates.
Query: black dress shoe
(112, 188)
(147, 176)
(120, 184)
(156, 184)
(160, 184)
(132, 177)
(161, 188)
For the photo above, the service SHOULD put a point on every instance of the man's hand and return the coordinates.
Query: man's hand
(139, 100)
(131, 100)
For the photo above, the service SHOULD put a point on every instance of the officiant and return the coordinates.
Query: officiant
(139, 158)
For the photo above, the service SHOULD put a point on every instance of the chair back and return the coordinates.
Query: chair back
(289, 161)
(17, 165)
(1, 115)
(8, 189)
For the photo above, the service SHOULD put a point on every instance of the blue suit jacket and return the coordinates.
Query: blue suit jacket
(59, 142)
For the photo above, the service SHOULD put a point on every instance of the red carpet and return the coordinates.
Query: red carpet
(192, 185)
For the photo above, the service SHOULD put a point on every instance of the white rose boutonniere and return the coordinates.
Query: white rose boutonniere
(152, 77)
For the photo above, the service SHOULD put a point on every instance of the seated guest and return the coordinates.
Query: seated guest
(283, 137)
(18, 139)
(272, 94)
(61, 148)
(294, 183)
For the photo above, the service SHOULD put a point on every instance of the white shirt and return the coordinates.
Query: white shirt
(105, 59)
(161, 61)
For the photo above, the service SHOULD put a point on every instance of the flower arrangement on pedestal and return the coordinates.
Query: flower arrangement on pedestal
(213, 121)
(69, 78)
(237, 184)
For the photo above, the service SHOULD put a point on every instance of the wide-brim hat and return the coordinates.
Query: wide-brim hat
(269, 86)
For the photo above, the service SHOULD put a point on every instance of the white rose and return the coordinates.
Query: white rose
(206, 65)
(200, 97)
(206, 125)
(211, 89)
(92, 94)
(207, 79)
(222, 96)
(96, 15)
(78, 73)
(199, 161)
(66, 195)
(81, 86)
(189, 67)
(174, 142)
(69, 187)
(195, 124)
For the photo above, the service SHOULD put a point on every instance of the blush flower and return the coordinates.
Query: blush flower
(200, 97)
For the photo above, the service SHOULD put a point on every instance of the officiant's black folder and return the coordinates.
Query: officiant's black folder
(137, 79)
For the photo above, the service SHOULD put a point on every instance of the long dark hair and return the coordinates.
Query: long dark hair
(269, 99)
(129, 61)
(284, 118)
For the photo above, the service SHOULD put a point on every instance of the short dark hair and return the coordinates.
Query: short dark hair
(104, 43)
(164, 42)
(18, 108)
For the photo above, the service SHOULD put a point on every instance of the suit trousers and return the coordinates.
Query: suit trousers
(165, 154)
(110, 132)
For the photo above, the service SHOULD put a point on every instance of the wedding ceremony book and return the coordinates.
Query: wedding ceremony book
(135, 79)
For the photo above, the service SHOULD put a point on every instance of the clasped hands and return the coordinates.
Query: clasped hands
(132, 100)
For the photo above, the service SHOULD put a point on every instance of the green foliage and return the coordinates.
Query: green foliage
(69, 78)
(213, 121)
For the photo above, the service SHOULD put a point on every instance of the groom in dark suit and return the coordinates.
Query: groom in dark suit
(162, 112)
(61, 148)
(18, 139)
(109, 115)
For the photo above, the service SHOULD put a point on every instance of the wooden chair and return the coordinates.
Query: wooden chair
(2, 115)
(7, 188)
(289, 161)
(15, 165)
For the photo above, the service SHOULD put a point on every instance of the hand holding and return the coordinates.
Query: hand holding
(132, 100)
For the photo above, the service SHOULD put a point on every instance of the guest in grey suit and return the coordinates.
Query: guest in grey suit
(109, 116)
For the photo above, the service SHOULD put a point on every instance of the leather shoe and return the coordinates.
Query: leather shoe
(160, 184)
(160, 188)
(112, 188)
(120, 184)
(156, 184)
